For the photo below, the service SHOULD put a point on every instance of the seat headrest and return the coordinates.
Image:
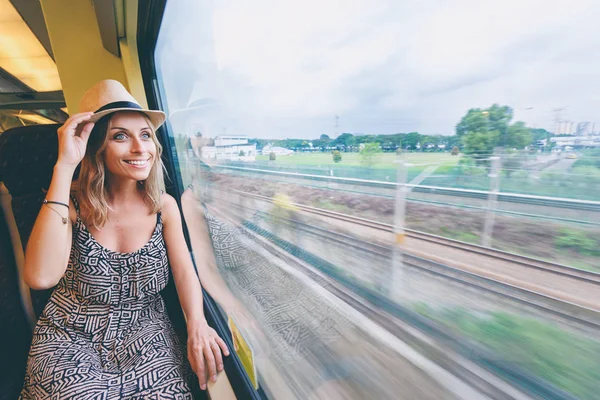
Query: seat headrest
(27, 158)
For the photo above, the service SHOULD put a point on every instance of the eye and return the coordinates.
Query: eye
(120, 136)
(146, 135)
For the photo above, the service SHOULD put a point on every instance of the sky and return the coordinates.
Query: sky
(282, 69)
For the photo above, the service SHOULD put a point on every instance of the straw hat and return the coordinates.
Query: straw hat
(109, 96)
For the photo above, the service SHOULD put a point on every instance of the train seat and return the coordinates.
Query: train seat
(16, 326)
(27, 157)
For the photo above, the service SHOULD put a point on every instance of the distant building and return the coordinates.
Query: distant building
(565, 128)
(576, 141)
(234, 148)
(279, 151)
(584, 128)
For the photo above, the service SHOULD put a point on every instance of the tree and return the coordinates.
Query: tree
(411, 140)
(518, 136)
(480, 144)
(494, 118)
(345, 140)
(454, 151)
(260, 143)
(322, 143)
(242, 154)
(452, 141)
(538, 134)
(272, 156)
(367, 153)
(480, 131)
(337, 156)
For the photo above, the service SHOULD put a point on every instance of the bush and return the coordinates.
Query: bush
(577, 241)
(242, 154)
(454, 151)
(337, 156)
(368, 154)
(272, 156)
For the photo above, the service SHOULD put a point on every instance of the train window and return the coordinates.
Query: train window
(393, 200)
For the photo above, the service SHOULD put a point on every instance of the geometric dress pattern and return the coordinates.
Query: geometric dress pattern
(105, 333)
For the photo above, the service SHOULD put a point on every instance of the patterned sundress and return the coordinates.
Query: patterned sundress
(105, 332)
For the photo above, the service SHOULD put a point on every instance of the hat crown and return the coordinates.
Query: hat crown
(103, 93)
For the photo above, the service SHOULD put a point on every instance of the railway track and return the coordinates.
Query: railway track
(566, 311)
(574, 204)
(393, 317)
(528, 262)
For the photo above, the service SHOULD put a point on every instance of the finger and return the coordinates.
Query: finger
(85, 132)
(192, 361)
(210, 361)
(222, 345)
(71, 123)
(77, 118)
(200, 367)
(216, 351)
(81, 125)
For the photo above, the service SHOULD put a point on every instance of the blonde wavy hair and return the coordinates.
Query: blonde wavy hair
(90, 188)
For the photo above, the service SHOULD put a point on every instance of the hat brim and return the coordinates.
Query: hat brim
(157, 118)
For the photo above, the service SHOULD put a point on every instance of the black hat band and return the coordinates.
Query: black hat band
(119, 104)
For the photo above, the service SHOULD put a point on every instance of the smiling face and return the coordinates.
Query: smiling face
(130, 148)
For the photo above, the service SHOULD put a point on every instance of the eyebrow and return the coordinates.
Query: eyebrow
(125, 129)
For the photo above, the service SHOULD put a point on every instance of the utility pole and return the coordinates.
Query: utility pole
(398, 275)
(490, 211)
(337, 126)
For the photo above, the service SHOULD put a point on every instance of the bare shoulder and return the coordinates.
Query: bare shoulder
(170, 209)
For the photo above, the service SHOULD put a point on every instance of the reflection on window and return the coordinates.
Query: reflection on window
(395, 201)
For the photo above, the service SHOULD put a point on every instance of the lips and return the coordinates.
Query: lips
(137, 163)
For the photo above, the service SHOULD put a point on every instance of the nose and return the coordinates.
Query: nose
(138, 146)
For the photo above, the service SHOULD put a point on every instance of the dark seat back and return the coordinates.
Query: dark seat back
(27, 158)
(15, 334)
(27, 155)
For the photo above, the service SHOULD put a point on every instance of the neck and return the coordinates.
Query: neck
(121, 191)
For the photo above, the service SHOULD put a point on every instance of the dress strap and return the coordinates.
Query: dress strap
(75, 203)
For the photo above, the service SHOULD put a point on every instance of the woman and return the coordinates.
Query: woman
(105, 332)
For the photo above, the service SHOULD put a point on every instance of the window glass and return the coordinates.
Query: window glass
(382, 196)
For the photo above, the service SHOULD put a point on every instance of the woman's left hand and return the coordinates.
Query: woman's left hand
(204, 351)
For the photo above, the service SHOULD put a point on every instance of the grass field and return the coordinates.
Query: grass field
(580, 182)
(381, 160)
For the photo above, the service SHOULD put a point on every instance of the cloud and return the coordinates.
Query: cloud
(283, 69)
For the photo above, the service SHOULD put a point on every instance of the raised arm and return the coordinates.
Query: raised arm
(49, 245)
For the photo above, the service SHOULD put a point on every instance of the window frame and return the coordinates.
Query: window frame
(150, 16)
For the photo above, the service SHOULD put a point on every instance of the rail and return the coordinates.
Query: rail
(529, 262)
(559, 202)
